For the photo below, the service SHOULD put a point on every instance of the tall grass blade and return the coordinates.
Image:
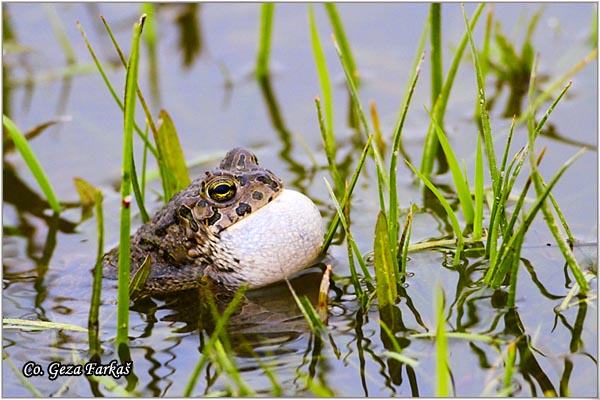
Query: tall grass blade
(32, 162)
(151, 41)
(264, 50)
(478, 189)
(322, 73)
(345, 60)
(462, 189)
(382, 178)
(165, 173)
(340, 34)
(511, 302)
(124, 244)
(507, 229)
(326, 124)
(497, 224)
(109, 85)
(435, 21)
(393, 200)
(330, 149)
(439, 110)
(347, 194)
(485, 118)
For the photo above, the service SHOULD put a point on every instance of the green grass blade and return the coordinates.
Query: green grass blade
(485, 118)
(405, 243)
(497, 224)
(507, 230)
(138, 192)
(32, 162)
(382, 178)
(347, 194)
(330, 146)
(326, 124)
(125, 226)
(393, 200)
(462, 189)
(264, 50)
(478, 189)
(109, 85)
(561, 81)
(340, 34)
(435, 21)
(349, 236)
(386, 275)
(165, 173)
(429, 148)
(322, 73)
(511, 302)
(172, 154)
(449, 211)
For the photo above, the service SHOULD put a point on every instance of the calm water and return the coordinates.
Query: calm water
(216, 105)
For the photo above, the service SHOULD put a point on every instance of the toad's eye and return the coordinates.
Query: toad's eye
(221, 190)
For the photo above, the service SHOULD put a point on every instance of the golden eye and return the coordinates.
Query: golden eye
(221, 190)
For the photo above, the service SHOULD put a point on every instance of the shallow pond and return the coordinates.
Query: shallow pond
(208, 88)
